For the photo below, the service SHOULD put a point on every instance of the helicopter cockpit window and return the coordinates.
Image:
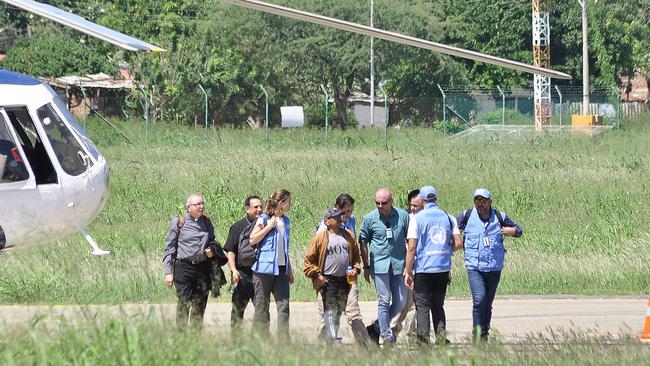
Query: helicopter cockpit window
(12, 166)
(70, 154)
(76, 128)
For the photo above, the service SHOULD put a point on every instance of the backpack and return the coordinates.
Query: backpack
(246, 254)
(468, 212)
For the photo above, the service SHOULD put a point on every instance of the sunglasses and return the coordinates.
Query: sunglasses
(480, 199)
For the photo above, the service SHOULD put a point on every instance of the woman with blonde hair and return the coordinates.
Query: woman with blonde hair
(272, 270)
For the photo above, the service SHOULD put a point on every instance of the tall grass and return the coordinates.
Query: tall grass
(143, 340)
(581, 201)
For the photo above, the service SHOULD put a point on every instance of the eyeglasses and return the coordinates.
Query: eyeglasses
(379, 203)
(480, 199)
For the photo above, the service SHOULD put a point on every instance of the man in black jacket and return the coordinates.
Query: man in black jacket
(241, 274)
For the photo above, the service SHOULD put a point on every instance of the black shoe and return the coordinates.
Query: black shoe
(373, 334)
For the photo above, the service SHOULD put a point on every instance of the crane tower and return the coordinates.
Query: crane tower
(542, 56)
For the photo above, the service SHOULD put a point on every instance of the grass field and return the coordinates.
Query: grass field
(145, 341)
(583, 203)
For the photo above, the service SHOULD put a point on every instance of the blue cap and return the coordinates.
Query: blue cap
(428, 193)
(483, 192)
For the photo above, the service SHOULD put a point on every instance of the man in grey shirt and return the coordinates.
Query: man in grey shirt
(190, 247)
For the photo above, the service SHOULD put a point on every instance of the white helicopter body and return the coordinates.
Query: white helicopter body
(54, 180)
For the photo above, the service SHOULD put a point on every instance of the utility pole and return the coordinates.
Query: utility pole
(585, 59)
(372, 66)
(542, 57)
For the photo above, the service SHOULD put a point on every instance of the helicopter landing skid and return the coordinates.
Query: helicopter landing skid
(96, 249)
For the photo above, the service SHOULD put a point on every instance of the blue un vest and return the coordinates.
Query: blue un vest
(478, 255)
(433, 252)
(267, 253)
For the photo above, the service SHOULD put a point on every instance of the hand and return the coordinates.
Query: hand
(169, 280)
(208, 252)
(291, 277)
(235, 277)
(508, 231)
(366, 274)
(321, 280)
(450, 277)
(408, 280)
(273, 221)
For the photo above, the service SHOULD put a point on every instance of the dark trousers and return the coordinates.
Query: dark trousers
(193, 283)
(429, 296)
(484, 288)
(335, 298)
(264, 285)
(242, 295)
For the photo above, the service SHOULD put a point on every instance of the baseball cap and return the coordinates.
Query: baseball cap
(428, 193)
(332, 213)
(483, 192)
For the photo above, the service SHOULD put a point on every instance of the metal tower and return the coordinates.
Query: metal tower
(542, 55)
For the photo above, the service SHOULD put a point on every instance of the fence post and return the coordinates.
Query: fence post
(146, 113)
(618, 107)
(444, 108)
(560, 94)
(503, 106)
(83, 92)
(205, 133)
(266, 115)
(381, 87)
(326, 112)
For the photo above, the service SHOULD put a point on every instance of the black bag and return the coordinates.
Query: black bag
(246, 254)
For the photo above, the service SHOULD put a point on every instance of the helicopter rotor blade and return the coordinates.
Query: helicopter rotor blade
(397, 37)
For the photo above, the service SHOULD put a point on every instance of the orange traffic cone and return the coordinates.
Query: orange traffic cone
(645, 337)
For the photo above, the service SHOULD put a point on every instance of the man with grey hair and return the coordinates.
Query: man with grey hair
(190, 248)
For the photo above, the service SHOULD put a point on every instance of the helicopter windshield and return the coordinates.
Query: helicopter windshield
(77, 129)
(70, 154)
(12, 166)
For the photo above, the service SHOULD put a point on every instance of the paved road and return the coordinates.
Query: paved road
(513, 318)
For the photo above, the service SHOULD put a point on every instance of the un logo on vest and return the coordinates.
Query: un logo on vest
(438, 235)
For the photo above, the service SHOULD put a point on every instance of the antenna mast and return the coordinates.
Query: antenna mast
(542, 56)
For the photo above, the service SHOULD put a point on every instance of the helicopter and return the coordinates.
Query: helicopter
(54, 180)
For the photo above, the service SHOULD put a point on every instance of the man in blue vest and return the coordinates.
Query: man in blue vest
(484, 229)
(432, 236)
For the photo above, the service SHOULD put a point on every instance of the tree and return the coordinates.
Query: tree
(56, 55)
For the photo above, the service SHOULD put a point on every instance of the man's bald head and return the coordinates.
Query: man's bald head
(384, 201)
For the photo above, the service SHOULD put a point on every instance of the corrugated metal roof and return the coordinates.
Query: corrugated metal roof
(100, 81)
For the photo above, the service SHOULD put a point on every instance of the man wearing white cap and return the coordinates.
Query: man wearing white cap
(484, 229)
(432, 236)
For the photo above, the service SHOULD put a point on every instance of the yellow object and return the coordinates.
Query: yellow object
(584, 123)
(645, 336)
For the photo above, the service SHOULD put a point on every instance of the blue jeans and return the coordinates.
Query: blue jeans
(484, 288)
(389, 287)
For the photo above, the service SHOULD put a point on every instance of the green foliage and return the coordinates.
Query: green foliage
(512, 117)
(56, 55)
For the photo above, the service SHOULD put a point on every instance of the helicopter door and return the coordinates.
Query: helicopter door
(32, 145)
